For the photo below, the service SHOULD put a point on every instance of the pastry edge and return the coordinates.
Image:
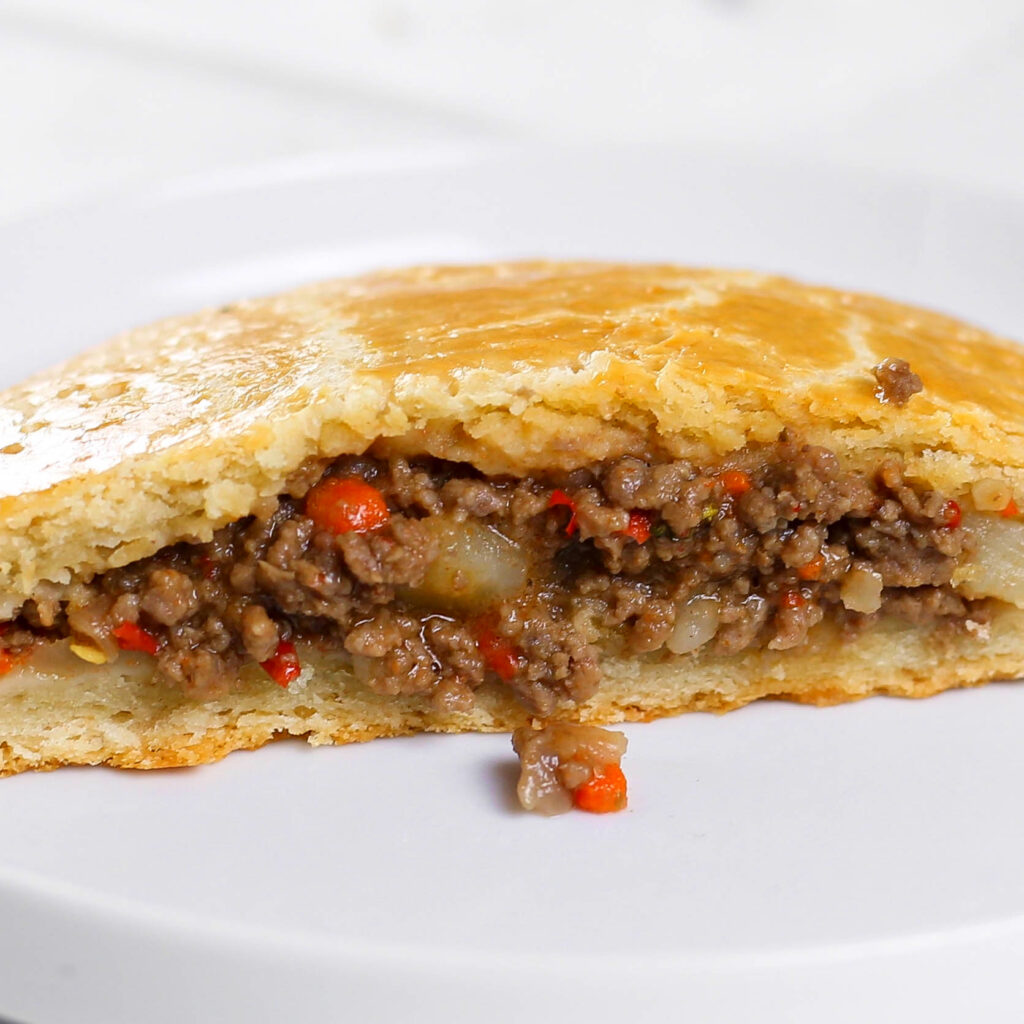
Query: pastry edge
(328, 707)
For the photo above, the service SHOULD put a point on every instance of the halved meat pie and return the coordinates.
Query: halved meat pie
(467, 497)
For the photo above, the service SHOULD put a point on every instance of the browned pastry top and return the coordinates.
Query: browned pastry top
(171, 430)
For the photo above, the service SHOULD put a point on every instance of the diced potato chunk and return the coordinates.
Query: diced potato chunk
(475, 566)
(995, 568)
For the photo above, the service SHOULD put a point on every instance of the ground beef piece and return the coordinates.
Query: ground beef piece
(740, 622)
(212, 631)
(169, 596)
(927, 510)
(759, 508)
(623, 480)
(595, 518)
(201, 674)
(728, 548)
(806, 483)
(478, 498)
(925, 604)
(399, 553)
(792, 622)
(399, 660)
(414, 488)
(456, 650)
(649, 617)
(623, 599)
(622, 554)
(375, 637)
(289, 542)
(399, 654)
(453, 694)
(653, 625)
(897, 383)
(672, 482)
(280, 585)
(260, 635)
(255, 534)
(899, 559)
(557, 663)
(803, 545)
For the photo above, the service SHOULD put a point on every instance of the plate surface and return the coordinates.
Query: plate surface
(780, 863)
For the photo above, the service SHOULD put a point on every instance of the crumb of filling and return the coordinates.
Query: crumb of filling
(563, 765)
(897, 382)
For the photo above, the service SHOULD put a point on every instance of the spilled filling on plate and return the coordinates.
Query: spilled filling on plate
(564, 765)
(433, 578)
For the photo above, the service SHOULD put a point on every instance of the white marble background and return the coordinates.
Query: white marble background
(98, 93)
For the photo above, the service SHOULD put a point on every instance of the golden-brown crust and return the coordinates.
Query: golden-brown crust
(171, 430)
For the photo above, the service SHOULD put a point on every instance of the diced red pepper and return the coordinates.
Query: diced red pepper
(951, 515)
(812, 569)
(132, 637)
(559, 499)
(208, 565)
(603, 793)
(735, 482)
(639, 526)
(283, 665)
(12, 659)
(792, 599)
(500, 655)
(347, 505)
(1010, 510)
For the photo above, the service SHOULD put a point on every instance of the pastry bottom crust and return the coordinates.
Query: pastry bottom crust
(117, 715)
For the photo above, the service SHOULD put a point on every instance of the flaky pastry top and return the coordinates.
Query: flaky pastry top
(169, 431)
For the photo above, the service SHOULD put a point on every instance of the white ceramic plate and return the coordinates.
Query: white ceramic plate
(778, 864)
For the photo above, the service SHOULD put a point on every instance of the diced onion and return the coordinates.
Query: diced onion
(994, 565)
(590, 744)
(475, 566)
(696, 624)
(861, 591)
(541, 788)
(574, 773)
(991, 495)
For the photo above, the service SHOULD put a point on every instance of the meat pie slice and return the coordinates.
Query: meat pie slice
(464, 498)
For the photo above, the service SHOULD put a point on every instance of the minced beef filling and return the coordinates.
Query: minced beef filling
(607, 557)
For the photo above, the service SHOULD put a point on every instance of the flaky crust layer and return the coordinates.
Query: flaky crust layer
(170, 431)
(114, 715)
